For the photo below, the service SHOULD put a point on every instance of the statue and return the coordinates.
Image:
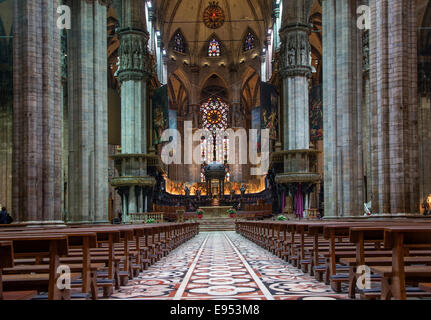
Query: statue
(136, 55)
(291, 52)
(304, 57)
(187, 191)
(427, 206)
(242, 191)
(125, 49)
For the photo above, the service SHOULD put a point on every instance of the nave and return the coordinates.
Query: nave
(224, 265)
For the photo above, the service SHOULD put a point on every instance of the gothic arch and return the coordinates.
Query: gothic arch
(179, 90)
(113, 45)
(178, 95)
(247, 74)
(250, 93)
(214, 85)
(424, 39)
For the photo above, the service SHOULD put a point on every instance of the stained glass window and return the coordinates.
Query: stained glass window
(214, 48)
(179, 45)
(214, 115)
(214, 118)
(249, 42)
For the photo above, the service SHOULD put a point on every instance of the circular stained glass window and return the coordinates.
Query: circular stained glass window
(214, 16)
(214, 115)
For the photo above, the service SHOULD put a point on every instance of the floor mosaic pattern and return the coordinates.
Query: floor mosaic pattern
(224, 265)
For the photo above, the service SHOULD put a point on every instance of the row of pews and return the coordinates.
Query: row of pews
(105, 257)
(379, 259)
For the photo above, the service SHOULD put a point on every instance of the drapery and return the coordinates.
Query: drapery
(299, 203)
(283, 202)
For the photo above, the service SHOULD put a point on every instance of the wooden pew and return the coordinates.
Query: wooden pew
(398, 238)
(281, 238)
(90, 246)
(7, 261)
(53, 246)
(425, 287)
(360, 235)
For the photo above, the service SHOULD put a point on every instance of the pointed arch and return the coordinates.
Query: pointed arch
(250, 90)
(179, 91)
(214, 85)
(424, 37)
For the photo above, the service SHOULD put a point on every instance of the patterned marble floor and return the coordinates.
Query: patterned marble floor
(224, 265)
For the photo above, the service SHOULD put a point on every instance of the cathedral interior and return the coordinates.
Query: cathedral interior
(142, 111)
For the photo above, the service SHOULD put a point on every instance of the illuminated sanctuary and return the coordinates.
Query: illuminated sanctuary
(215, 149)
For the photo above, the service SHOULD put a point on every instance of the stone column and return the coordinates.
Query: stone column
(394, 107)
(342, 92)
(6, 137)
(424, 68)
(236, 170)
(295, 71)
(6, 120)
(37, 117)
(134, 72)
(366, 112)
(133, 75)
(88, 115)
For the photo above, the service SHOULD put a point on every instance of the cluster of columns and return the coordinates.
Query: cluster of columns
(342, 103)
(394, 107)
(37, 114)
(391, 114)
(424, 117)
(88, 113)
(134, 73)
(38, 118)
(296, 70)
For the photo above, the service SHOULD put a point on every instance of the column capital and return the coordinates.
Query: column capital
(295, 50)
(135, 62)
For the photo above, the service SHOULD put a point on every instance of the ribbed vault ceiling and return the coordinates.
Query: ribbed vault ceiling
(187, 15)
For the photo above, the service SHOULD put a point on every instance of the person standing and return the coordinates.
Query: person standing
(3, 216)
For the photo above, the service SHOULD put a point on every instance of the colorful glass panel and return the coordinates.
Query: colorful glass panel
(214, 48)
(249, 42)
(179, 45)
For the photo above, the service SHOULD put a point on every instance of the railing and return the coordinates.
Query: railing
(139, 218)
(253, 215)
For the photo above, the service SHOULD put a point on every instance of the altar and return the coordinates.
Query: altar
(216, 211)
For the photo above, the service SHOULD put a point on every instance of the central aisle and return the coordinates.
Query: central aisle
(223, 265)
